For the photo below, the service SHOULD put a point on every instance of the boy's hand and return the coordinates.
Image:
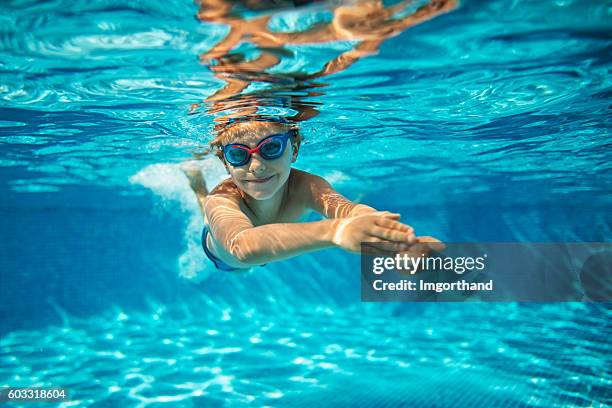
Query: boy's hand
(376, 227)
(424, 246)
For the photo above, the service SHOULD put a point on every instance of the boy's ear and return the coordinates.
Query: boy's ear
(225, 165)
(296, 149)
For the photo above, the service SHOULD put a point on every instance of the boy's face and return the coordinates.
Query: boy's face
(261, 178)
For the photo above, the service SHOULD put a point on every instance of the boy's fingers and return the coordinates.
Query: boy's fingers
(393, 235)
(386, 214)
(389, 244)
(392, 224)
(433, 243)
(390, 217)
(427, 238)
(424, 248)
(381, 247)
(373, 250)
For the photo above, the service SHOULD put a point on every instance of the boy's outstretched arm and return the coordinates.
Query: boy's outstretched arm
(331, 204)
(240, 244)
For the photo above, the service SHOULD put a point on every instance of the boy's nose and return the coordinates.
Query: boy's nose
(257, 164)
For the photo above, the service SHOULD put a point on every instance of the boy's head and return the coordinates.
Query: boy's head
(256, 175)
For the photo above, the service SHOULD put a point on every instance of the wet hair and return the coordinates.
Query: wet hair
(235, 129)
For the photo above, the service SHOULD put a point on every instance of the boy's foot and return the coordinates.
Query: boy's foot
(194, 175)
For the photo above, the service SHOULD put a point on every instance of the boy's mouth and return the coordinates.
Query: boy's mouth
(261, 180)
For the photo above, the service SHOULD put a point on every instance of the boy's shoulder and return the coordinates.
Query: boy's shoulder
(307, 181)
(301, 176)
(302, 181)
(305, 187)
(226, 188)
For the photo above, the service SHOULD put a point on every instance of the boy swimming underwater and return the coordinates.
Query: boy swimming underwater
(250, 218)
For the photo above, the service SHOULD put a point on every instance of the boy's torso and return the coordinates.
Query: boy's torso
(293, 208)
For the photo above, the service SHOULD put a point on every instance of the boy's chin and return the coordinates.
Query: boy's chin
(260, 194)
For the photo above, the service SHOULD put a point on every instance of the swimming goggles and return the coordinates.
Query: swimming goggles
(270, 148)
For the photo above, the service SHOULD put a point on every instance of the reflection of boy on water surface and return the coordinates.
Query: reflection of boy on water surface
(250, 217)
(366, 21)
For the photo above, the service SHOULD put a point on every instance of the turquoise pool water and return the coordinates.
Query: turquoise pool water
(486, 123)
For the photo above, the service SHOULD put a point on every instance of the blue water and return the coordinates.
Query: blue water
(487, 123)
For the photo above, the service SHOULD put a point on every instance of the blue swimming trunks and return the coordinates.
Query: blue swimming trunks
(222, 266)
(218, 263)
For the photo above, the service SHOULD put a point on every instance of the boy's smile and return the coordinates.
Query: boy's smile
(260, 180)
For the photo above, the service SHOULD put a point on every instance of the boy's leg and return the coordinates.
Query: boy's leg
(196, 181)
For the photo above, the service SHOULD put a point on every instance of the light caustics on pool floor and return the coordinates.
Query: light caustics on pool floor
(443, 355)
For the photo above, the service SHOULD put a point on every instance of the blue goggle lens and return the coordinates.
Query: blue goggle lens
(272, 149)
(236, 156)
